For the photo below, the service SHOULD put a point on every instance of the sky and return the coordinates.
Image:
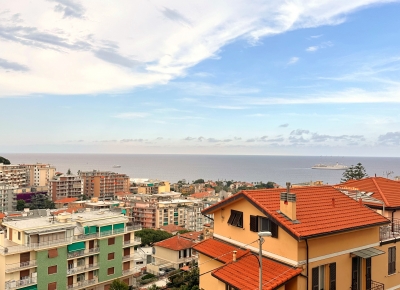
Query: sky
(200, 77)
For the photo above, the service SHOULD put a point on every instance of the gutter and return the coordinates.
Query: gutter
(307, 259)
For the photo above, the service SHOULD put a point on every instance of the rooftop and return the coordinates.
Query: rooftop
(175, 243)
(66, 200)
(172, 228)
(321, 210)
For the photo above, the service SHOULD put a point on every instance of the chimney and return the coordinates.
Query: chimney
(234, 256)
(288, 203)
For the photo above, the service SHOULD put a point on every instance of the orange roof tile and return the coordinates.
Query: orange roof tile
(202, 194)
(384, 189)
(66, 200)
(244, 273)
(175, 243)
(191, 235)
(172, 228)
(2, 215)
(219, 251)
(70, 210)
(315, 210)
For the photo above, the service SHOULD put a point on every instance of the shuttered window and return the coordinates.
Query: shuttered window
(110, 271)
(391, 260)
(111, 241)
(315, 278)
(110, 256)
(332, 276)
(254, 223)
(52, 253)
(52, 270)
(52, 286)
(236, 218)
(266, 225)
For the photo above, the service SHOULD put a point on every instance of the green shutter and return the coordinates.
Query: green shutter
(106, 229)
(123, 211)
(32, 287)
(165, 224)
(76, 247)
(119, 226)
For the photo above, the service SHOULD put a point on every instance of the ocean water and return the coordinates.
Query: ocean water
(279, 169)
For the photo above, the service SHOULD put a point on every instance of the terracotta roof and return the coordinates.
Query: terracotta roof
(191, 235)
(201, 194)
(244, 273)
(69, 210)
(384, 189)
(317, 214)
(66, 200)
(221, 251)
(175, 243)
(172, 228)
(2, 215)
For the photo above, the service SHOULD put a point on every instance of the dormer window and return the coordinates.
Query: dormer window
(236, 219)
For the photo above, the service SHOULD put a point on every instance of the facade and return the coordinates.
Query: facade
(175, 252)
(151, 187)
(64, 186)
(7, 196)
(321, 239)
(13, 175)
(39, 174)
(104, 184)
(83, 250)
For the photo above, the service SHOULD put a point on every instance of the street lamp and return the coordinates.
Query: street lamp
(261, 241)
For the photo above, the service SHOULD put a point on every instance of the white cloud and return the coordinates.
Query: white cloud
(293, 60)
(322, 45)
(81, 47)
(312, 48)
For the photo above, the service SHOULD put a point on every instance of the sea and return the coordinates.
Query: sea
(250, 168)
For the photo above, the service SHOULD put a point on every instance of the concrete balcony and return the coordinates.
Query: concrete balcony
(16, 284)
(20, 266)
(82, 253)
(136, 241)
(82, 284)
(130, 271)
(80, 269)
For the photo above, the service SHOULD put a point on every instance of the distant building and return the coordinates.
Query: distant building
(7, 196)
(39, 174)
(104, 184)
(150, 187)
(65, 185)
(13, 175)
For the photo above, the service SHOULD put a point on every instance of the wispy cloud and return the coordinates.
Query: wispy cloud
(293, 60)
(284, 125)
(131, 115)
(9, 65)
(317, 47)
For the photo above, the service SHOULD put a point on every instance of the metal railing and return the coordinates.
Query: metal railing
(135, 241)
(82, 284)
(82, 253)
(84, 268)
(19, 266)
(390, 231)
(373, 285)
(130, 271)
(33, 246)
(12, 284)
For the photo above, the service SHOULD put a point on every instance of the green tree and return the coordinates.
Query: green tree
(20, 204)
(153, 287)
(4, 161)
(354, 172)
(118, 285)
(199, 181)
(150, 236)
(69, 172)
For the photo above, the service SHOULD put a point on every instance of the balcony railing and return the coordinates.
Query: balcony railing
(83, 253)
(128, 257)
(20, 266)
(391, 231)
(373, 285)
(13, 284)
(33, 246)
(82, 284)
(136, 241)
(84, 268)
(130, 271)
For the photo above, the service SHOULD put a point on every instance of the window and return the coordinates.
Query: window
(52, 286)
(19, 236)
(236, 219)
(80, 277)
(319, 280)
(263, 224)
(110, 256)
(52, 270)
(391, 260)
(110, 271)
(111, 241)
(229, 287)
(52, 253)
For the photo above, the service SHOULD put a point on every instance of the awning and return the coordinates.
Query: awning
(368, 253)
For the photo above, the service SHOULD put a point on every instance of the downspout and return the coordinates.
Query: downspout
(393, 211)
(307, 263)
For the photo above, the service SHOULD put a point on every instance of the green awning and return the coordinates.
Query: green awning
(106, 229)
(32, 287)
(76, 247)
(118, 226)
(368, 253)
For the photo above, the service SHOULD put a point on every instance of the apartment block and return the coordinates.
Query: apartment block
(7, 196)
(13, 175)
(39, 174)
(65, 186)
(104, 184)
(150, 187)
(82, 250)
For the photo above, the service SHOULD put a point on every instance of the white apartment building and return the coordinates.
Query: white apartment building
(7, 194)
(13, 175)
(39, 174)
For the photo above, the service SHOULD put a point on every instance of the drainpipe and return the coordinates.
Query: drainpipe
(393, 211)
(307, 263)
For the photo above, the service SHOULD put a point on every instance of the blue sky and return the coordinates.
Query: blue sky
(227, 77)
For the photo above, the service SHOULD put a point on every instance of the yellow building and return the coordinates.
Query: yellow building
(321, 239)
(39, 174)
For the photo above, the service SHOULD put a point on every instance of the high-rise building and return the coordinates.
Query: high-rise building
(65, 185)
(39, 174)
(7, 195)
(13, 175)
(104, 184)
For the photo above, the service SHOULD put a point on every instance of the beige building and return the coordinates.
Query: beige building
(65, 185)
(13, 175)
(39, 174)
(7, 197)
(104, 184)
(150, 187)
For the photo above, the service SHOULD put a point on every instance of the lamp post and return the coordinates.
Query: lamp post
(261, 235)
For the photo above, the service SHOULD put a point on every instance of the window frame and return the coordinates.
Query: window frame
(236, 218)
(261, 223)
(112, 256)
(392, 260)
(53, 269)
(108, 271)
(111, 241)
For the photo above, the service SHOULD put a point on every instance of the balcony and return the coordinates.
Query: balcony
(390, 232)
(130, 271)
(15, 284)
(373, 285)
(128, 257)
(82, 284)
(136, 241)
(82, 253)
(84, 268)
(20, 266)
(13, 248)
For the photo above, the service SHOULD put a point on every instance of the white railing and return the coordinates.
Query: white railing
(21, 265)
(12, 284)
(135, 241)
(82, 253)
(76, 269)
(130, 271)
(82, 284)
